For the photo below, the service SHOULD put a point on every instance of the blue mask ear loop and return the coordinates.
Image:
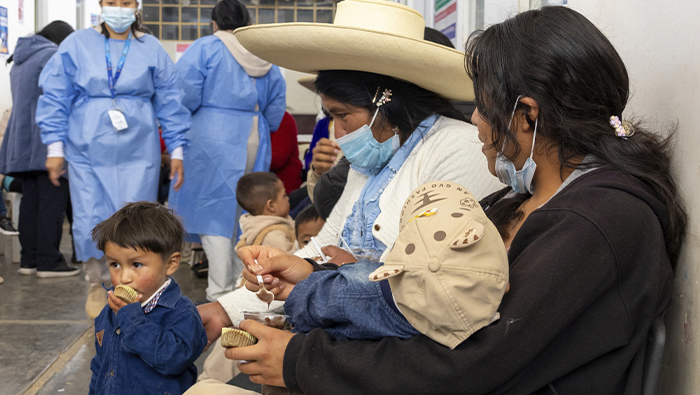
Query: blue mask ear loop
(512, 115)
(534, 135)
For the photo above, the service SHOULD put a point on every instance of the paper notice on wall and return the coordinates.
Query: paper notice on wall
(20, 12)
(181, 48)
(446, 19)
(94, 20)
(4, 39)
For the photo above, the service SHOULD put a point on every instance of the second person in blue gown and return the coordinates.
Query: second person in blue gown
(236, 100)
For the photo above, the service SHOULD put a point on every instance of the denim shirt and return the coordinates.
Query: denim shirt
(358, 227)
(346, 304)
(152, 353)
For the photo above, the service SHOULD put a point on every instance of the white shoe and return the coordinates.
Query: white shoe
(27, 271)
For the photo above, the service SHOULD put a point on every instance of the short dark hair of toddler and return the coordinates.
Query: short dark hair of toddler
(255, 189)
(145, 225)
(309, 214)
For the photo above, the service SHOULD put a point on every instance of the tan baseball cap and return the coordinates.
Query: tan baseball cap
(448, 269)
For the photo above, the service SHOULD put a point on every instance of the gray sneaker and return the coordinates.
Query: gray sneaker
(62, 270)
(7, 228)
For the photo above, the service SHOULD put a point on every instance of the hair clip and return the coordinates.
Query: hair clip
(622, 129)
(386, 97)
(374, 99)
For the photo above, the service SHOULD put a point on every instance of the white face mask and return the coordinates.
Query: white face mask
(119, 19)
(520, 180)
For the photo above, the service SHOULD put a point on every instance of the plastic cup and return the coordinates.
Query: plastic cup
(279, 321)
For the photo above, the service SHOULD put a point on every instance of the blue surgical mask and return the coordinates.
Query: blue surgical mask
(119, 19)
(363, 150)
(519, 180)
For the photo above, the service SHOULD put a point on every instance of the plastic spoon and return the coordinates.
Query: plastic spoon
(263, 294)
(318, 247)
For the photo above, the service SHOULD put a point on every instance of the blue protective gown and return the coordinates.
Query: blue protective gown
(222, 98)
(108, 168)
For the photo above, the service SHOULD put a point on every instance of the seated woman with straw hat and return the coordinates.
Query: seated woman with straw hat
(388, 92)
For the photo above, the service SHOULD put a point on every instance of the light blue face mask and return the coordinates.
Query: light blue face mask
(118, 18)
(519, 180)
(363, 150)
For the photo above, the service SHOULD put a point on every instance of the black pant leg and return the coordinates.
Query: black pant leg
(52, 211)
(27, 226)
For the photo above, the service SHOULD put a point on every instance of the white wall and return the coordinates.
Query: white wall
(51, 10)
(15, 30)
(496, 11)
(660, 44)
(89, 8)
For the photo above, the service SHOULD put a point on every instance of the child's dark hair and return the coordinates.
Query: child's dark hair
(145, 225)
(308, 214)
(255, 189)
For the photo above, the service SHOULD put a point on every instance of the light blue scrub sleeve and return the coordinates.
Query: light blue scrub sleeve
(174, 118)
(274, 112)
(54, 106)
(193, 70)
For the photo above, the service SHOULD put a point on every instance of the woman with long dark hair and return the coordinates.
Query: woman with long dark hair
(236, 100)
(106, 91)
(591, 217)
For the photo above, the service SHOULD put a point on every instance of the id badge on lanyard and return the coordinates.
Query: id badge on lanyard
(115, 114)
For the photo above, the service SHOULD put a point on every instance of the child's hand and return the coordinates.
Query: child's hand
(338, 255)
(115, 303)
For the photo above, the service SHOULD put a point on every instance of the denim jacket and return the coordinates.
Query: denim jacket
(152, 353)
(346, 304)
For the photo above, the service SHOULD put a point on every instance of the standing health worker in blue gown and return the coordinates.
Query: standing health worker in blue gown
(109, 135)
(236, 100)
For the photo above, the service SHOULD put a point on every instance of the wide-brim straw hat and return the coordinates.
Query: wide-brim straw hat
(376, 36)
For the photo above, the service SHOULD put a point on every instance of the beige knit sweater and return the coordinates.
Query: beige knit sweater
(252, 225)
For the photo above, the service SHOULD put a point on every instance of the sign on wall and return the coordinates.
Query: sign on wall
(446, 18)
(4, 34)
(180, 49)
(20, 12)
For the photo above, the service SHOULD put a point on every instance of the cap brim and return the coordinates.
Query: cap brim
(312, 47)
(307, 82)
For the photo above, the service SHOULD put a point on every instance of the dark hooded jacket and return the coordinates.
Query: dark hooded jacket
(329, 188)
(589, 272)
(22, 149)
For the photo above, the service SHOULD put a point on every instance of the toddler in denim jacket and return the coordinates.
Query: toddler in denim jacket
(444, 277)
(148, 346)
